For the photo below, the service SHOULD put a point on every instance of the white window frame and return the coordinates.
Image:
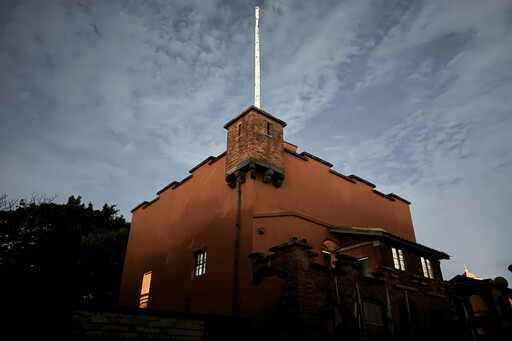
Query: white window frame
(200, 263)
(426, 266)
(398, 259)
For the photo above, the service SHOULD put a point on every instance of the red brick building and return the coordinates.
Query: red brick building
(220, 242)
(484, 306)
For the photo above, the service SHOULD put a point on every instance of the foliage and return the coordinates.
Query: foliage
(60, 253)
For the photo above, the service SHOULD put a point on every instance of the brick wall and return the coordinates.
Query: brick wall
(253, 141)
(322, 301)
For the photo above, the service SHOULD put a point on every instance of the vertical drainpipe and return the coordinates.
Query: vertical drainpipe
(237, 228)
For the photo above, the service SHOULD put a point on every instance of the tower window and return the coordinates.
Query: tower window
(239, 129)
(426, 266)
(200, 257)
(144, 291)
(268, 128)
(398, 259)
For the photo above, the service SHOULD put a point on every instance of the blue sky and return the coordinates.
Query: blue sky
(113, 100)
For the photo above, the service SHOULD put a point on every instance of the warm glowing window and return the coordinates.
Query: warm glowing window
(398, 259)
(200, 268)
(426, 265)
(144, 291)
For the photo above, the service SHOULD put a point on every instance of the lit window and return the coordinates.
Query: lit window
(200, 268)
(427, 268)
(144, 291)
(398, 259)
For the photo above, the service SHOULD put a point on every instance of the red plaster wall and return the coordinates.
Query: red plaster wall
(309, 189)
(202, 213)
(163, 237)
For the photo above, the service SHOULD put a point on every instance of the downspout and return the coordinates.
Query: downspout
(237, 228)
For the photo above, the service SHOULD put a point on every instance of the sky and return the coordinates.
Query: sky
(113, 100)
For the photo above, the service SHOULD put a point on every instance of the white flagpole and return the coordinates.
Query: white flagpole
(257, 59)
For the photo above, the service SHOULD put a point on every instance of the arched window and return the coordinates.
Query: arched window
(478, 305)
(329, 248)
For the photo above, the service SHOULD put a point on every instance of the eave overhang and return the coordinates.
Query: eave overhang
(252, 107)
(381, 234)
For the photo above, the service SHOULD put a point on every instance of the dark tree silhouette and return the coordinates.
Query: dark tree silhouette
(55, 254)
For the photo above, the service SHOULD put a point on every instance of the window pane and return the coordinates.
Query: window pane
(146, 283)
(144, 291)
(200, 266)
(402, 261)
(365, 267)
(429, 268)
(426, 266)
(395, 258)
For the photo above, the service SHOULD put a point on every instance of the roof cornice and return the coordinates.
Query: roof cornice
(382, 234)
(252, 107)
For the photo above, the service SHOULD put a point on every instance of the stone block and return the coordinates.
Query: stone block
(147, 330)
(94, 333)
(174, 331)
(126, 335)
(158, 337)
(160, 324)
(99, 318)
(115, 327)
(190, 338)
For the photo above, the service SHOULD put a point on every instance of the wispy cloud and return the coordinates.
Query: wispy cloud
(115, 99)
(450, 154)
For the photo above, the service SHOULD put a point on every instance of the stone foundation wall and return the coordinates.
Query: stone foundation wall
(117, 323)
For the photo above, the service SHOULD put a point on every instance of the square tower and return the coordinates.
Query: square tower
(255, 144)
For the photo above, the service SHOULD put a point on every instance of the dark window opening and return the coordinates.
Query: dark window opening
(269, 129)
(187, 305)
(365, 267)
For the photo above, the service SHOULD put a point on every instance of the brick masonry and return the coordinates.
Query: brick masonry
(320, 301)
(247, 137)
